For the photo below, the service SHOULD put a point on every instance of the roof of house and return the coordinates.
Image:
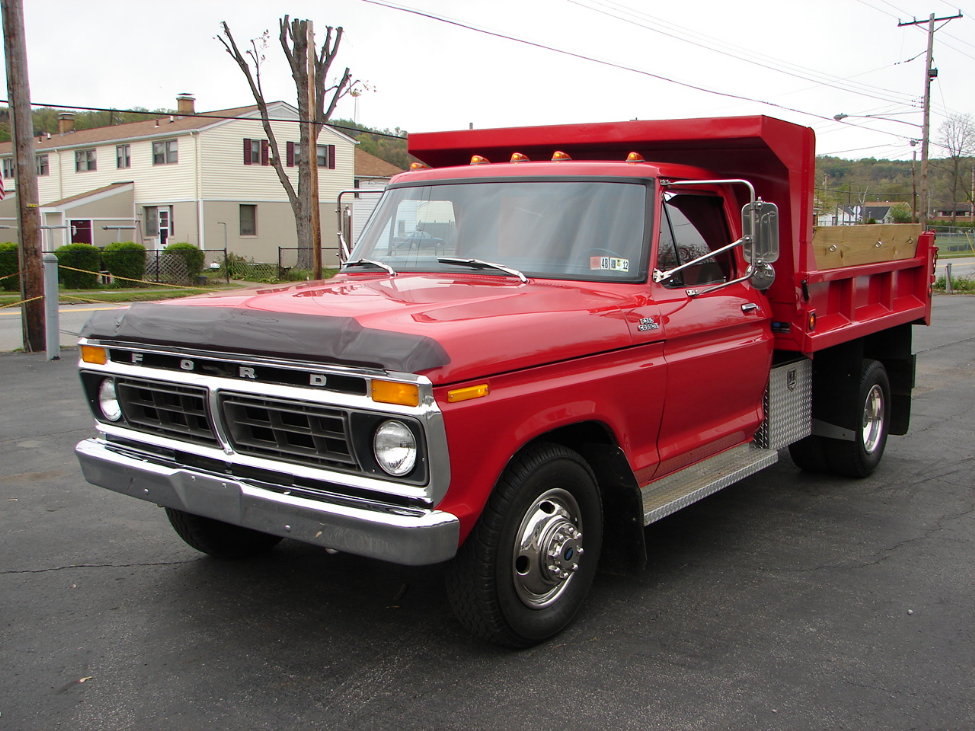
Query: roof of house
(160, 126)
(90, 193)
(370, 166)
(134, 130)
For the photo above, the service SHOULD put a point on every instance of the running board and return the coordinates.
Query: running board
(687, 486)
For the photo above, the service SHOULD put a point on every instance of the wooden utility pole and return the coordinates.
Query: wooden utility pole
(316, 214)
(929, 73)
(25, 172)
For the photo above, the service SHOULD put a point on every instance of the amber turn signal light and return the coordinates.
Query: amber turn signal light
(391, 392)
(94, 354)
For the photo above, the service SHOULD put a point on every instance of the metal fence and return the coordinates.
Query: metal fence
(293, 257)
(130, 268)
(954, 239)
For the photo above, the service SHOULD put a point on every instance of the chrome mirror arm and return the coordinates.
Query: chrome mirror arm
(659, 276)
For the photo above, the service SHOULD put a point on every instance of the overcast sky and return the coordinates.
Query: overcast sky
(842, 56)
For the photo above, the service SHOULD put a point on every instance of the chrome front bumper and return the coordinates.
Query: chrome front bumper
(404, 536)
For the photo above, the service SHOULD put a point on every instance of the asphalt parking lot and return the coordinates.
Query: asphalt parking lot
(787, 601)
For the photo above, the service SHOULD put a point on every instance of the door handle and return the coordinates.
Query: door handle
(749, 306)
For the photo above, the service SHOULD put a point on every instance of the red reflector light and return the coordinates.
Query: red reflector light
(559, 156)
(479, 160)
(519, 157)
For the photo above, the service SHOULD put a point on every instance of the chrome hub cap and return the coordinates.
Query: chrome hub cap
(873, 419)
(548, 548)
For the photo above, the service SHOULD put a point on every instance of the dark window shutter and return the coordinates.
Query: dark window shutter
(264, 153)
(247, 151)
(291, 154)
(331, 157)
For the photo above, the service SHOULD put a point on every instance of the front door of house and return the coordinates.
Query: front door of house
(80, 231)
(165, 226)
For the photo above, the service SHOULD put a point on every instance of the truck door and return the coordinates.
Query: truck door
(717, 345)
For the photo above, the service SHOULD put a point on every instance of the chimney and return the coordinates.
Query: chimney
(185, 103)
(65, 123)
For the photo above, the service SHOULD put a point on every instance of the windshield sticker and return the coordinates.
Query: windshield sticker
(609, 263)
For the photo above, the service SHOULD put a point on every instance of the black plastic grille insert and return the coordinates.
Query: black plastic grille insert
(291, 431)
(166, 409)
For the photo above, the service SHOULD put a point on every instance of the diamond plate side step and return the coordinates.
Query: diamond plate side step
(676, 491)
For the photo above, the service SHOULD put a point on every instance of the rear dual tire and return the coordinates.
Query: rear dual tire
(870, 415)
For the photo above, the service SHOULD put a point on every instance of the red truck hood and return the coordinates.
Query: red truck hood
(481, 324)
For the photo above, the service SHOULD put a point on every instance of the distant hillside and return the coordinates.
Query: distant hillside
(386, 144)
(844, 182)
(46, 119)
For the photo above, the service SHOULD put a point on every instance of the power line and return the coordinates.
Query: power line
(738, 53)
(609, 64)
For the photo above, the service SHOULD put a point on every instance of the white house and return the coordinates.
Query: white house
(204, 179)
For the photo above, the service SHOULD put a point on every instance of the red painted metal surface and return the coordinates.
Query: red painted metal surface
(669, 376)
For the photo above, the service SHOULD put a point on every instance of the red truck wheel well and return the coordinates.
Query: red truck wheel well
(624, 545)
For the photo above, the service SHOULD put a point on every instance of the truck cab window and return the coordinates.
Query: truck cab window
(691, 226)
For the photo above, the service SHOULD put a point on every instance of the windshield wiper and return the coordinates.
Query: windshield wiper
(373, 263)
(480, 264)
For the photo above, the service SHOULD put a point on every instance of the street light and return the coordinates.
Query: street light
(840, 117)
(924, 157)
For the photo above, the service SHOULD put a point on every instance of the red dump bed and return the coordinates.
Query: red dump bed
(813, 308)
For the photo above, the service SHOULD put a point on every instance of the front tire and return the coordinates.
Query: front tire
(219, 539)
(523, 573)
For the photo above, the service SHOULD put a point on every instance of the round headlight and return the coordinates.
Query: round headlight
(108, 400)
(395, 448)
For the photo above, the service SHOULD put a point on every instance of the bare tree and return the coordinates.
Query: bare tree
(316, 103)
(957, 134)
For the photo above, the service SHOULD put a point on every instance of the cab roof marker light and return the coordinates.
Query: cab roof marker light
(94, 354)
(419, 166)
(393, 392)
(559, 156)
(635, 157)
(479, 160)
(519, 157)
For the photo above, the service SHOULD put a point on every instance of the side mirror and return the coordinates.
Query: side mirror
(760, 227)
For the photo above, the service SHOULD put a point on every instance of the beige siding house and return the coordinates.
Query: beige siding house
(206, 180)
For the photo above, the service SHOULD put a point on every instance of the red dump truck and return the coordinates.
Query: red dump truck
(545, 339)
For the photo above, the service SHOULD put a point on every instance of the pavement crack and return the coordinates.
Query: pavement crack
(94, 566)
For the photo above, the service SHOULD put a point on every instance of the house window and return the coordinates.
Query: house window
(164, 152)
(84, 160)
(8, 167)
(123, 156)
(325, 155)
(151, 219)
(43, 166)
(256, 152)
(248, 219)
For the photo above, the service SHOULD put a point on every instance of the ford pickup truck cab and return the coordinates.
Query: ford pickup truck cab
(540, 344)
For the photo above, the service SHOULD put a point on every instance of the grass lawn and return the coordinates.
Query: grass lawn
(134, 294)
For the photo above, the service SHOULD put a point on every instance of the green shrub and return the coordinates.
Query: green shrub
(125, 259)
(79, 256)
(958, 284)
(191, 255)
(9, 267)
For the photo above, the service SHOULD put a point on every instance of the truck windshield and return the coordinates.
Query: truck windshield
(553, 229)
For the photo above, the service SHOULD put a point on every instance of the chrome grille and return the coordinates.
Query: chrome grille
(166, 409)
(290, 431)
